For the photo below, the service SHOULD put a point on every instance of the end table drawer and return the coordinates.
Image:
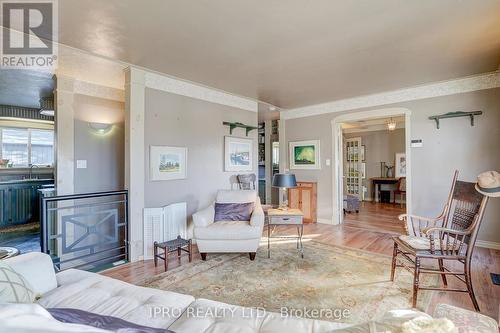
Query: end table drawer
(285, 220)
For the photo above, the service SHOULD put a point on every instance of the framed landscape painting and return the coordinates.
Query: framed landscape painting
(167, 163)
(238, 154)
(305, 155)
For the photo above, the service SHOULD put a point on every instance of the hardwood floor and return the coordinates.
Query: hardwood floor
(484, 262)
(376, 217)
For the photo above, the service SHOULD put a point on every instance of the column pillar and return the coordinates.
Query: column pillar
(135, 156)
(64, 135)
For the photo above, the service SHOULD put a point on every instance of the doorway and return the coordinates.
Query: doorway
(27, 159)
(371, 174)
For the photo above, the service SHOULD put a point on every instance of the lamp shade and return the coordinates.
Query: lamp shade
(286, 180)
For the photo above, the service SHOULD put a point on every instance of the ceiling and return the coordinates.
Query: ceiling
(24, 87)
(373, 124)
(292, 53)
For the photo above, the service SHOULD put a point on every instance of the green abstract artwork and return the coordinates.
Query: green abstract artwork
(305, 155)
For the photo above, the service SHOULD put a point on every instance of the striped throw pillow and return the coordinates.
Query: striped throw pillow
(13, 286)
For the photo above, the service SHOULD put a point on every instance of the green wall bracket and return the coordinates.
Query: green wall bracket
(456, 115)
(232, 126)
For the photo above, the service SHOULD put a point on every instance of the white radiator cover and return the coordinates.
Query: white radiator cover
(163, 224)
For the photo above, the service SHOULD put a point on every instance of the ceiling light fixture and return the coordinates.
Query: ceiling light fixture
(391, 125)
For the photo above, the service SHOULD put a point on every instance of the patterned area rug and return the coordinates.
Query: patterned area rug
(329, 277)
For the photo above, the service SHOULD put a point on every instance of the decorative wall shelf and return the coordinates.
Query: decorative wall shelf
(456, 115)
(232, 126)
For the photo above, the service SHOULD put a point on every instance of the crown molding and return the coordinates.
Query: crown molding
(75, 86)
(188, 89)
(95, 90)
(444, 88)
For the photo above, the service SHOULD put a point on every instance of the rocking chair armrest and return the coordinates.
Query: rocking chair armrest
(446, 239)
(415, 225)
(429, 231)
(404, 217)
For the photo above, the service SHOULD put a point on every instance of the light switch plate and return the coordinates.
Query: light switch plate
(81, 164)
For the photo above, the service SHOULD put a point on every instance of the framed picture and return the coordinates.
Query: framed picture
(400, 165)
(167, 163)
(238, 154)
(305, 155)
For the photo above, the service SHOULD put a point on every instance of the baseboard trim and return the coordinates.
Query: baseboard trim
(324, 221)
(488, 244)
(371, 200)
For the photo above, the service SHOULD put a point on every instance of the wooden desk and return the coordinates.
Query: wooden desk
(378, 181)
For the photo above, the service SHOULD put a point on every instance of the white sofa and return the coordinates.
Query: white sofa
(106, 296)
(180, 313)
(229, 236)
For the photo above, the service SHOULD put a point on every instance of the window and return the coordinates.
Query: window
(42, 147)
(15, 146)
(25, 146)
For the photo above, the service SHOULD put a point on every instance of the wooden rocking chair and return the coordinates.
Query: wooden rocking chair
(451, 236)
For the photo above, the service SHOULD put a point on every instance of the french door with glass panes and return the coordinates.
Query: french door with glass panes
(353, 183)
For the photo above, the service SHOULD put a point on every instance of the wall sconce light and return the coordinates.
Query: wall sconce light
(101, 128)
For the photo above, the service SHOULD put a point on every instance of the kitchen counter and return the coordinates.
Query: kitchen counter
(26, 181)
(9, 174)
(19, 201)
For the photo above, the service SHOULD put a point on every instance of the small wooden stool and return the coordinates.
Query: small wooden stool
(179, 244)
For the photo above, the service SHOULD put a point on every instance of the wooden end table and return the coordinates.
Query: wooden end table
(276, 217)
(179, 244)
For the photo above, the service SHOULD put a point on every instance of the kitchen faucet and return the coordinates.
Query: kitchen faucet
(31, 171)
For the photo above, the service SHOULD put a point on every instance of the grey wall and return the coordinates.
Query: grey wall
(174, 120)
(104, 152)
(380, 146)
(456, 145)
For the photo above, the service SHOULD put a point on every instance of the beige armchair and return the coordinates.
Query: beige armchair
(229, 236)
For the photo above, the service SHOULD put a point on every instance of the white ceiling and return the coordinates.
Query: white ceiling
(374, 124)
(292, 53)
(24, 87)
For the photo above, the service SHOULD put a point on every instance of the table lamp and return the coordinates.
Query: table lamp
(284, 181)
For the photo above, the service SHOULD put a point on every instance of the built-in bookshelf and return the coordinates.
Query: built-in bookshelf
(268, 148)
(261, 137)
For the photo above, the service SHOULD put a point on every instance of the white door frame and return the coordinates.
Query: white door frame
(337, 153)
